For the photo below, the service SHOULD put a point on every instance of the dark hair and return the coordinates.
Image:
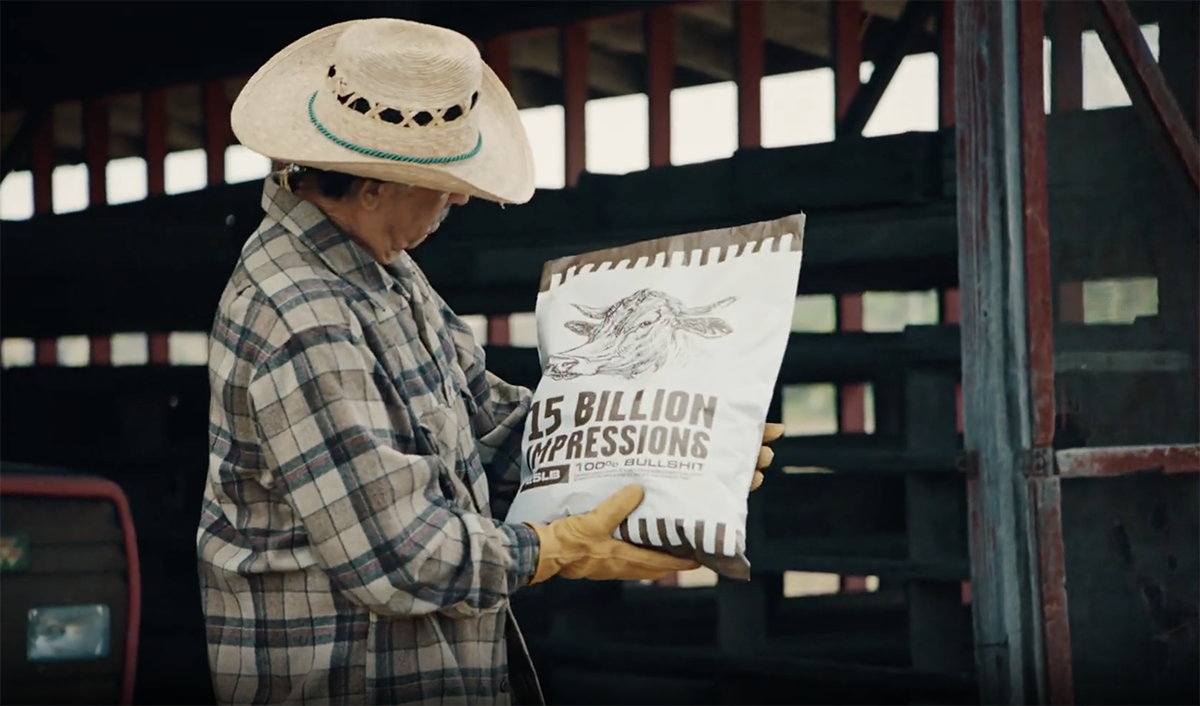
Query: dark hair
(331, 185)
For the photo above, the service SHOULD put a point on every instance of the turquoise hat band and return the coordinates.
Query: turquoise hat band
(380, 154)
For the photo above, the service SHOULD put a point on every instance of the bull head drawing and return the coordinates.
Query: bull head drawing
(634, 336)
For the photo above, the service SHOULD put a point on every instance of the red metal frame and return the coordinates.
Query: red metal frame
(1045, 494)
(95, 145)
(99, 488)
(1120, 460)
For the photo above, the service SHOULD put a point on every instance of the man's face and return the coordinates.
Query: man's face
(393, 218)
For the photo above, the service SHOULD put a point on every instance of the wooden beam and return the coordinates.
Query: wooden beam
(904, 35)
(796, 26)
(154, 137)
(999, 105)
(660, 80)
(946, 65)
(750, 72)
(809, 358)
(847, 31)
(499, 57)
(847, 23)
(706, 53)
(609, 74)
(1066, 55)
(95, 146)
(217, 132)
(42, 166)
(899, 251)
(100, 350)
(575, 94)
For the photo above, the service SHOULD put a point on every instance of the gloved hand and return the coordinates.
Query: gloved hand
(765, 455)
(582, 546)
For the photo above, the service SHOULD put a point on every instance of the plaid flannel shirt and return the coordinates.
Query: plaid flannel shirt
(358, 449)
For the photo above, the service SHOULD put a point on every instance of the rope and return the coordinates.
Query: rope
(380, 154)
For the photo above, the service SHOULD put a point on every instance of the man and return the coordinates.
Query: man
(359, 449)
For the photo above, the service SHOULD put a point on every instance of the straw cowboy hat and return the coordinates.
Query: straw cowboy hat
(392, 100)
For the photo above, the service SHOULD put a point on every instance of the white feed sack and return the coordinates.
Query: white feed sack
(659, 361)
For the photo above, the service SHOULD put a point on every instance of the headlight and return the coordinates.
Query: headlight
(68, 633)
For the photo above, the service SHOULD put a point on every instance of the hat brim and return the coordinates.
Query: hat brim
(270, 117)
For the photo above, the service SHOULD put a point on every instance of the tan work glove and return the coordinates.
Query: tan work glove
(582, 546)
(765, 455)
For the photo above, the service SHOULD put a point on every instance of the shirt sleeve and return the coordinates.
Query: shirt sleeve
(498, 413)
(376, 517)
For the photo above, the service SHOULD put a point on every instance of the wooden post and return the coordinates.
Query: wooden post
(576, 85)
(159, 348)
(154, 138)
(749, 21)
(847, 47)
(499, 57)
(46, 351)
(660, 80)
(217, 131)
(95, 146)
(946, 65)
(1022, 640)
(42, 166)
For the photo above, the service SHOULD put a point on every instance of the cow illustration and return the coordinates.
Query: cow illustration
(636, 335)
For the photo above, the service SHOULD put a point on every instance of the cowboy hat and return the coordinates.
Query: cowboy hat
(392, 100)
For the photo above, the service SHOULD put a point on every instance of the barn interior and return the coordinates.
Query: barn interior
(875, 541)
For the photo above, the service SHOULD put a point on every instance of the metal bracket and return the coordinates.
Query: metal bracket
(1037, 462)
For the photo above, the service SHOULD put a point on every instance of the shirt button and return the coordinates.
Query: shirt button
(503, 685)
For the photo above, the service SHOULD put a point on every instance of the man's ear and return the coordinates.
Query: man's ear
(371, 193)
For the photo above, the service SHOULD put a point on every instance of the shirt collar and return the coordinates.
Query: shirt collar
(337, 250)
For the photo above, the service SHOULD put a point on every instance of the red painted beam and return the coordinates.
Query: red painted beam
(159, 348)
(154, 139)
(100, 350)
(852, 417)
(1039, 294)
(1066, 55)
(1121, 460)
(1020, 610)
(42, 166)
(217, 131)
(498, 333)
(660, 80)
(46, 351)
(1046, 498)
(846, 40)
(847, 47)
(946, 65)
(499, 57)
(95, 147)
(750, 38)
(576, 84)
